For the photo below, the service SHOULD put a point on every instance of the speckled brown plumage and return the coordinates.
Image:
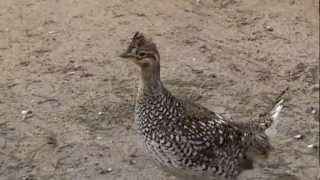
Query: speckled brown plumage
(187, 139)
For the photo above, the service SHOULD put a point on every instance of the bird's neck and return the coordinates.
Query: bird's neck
(150, 82)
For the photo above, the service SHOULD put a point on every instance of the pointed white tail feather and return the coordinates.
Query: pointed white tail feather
(274, 115)
(276, 109)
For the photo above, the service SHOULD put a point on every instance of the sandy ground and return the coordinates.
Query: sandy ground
(67, 99)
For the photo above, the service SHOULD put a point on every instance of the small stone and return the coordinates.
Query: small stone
(71, 73)
(109, 169)
(52, 32)
(313, 111)
(100, 113)
(105, 171)
(85, 75)
(312, 146)
(298, 136)
(132, 162)
(99, 138)
(269, 28)
(24, 112)
(212, 75)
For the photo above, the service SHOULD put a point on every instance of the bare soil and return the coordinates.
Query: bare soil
(67, 99)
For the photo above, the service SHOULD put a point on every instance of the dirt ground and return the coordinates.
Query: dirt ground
(67, 99)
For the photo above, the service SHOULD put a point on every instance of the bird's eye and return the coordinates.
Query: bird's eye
(142, 54)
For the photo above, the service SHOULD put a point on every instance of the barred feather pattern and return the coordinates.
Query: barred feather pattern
(187, 139)
(181, 142)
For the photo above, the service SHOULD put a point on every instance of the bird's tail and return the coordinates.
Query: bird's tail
(268, 121)
(262, 129)
(259, 144)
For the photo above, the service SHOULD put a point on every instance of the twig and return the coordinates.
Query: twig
(36, 151)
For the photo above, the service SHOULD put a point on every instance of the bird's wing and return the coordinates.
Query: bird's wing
(211, 127)
(214, 137)
(220, 137)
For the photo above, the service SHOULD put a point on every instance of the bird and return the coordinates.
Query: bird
(186, 139)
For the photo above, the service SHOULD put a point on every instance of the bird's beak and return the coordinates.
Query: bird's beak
(126, 55)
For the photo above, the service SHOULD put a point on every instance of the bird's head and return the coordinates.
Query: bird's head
(142, 51)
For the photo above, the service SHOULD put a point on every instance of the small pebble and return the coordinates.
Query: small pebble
(109, 169)
(132, 162)
(312, 146)
(313, 111)
(269, 28)
(52, 32)
(100, 113)
(105, 171)
(298, 136)
(24, 112)
(99, 138)
(71, 73)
